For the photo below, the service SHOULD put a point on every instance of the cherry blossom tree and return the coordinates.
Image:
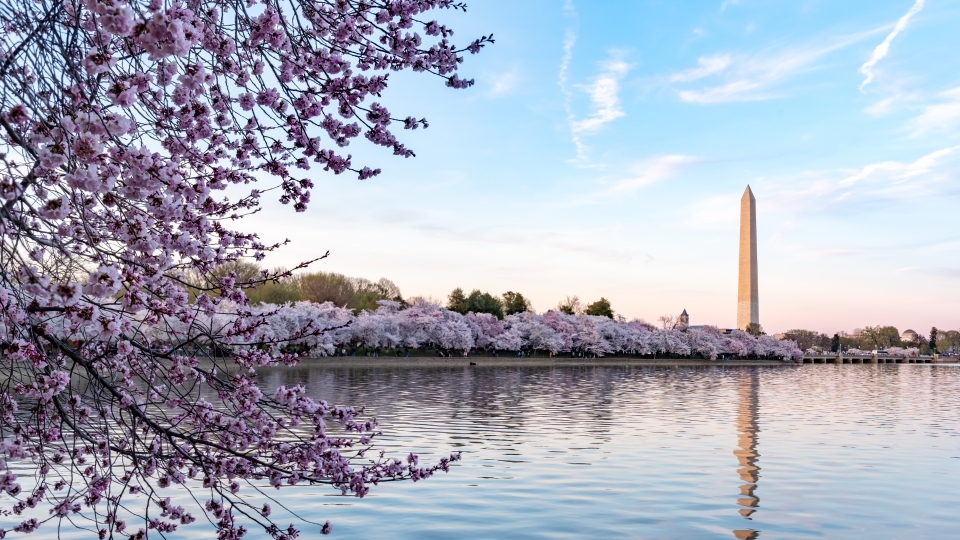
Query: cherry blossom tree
(453, 332)
(418, 323)
(378, 329)
(532, 333)
(565, 330)
(587, 338)
(704, 344)
(486, 328)
(124, 126)
(638, 337)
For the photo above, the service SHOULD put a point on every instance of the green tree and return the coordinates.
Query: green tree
(934, 334)
(388, 290)
(514, 302)
(570, 305)
(879, 337)
(322, 287)
(365, 299)
(479, 302)
(283, 290)
(357, 294)
(835, 343)
(754, 329)
(849, 342)
(948, 340)
(457, 301)
(366, 293)
(601, 308)
(804, 339)
(246, 272)
(275, 292)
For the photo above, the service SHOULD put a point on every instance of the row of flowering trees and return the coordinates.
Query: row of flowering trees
(428, 326)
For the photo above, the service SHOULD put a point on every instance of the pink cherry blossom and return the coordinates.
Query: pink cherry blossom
(127, 128)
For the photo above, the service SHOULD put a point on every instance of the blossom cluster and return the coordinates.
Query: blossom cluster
(134, 134)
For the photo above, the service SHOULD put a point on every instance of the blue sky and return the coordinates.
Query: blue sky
(605, 147)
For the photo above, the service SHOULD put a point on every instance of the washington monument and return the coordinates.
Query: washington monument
(748, 309)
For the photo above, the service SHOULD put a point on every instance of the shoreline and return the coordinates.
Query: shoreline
(492, 361)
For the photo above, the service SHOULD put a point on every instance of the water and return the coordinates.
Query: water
(850, 451)
(629, 452)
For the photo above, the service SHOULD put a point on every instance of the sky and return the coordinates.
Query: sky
(606, 144)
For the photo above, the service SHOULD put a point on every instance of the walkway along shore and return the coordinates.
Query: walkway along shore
(512, 361)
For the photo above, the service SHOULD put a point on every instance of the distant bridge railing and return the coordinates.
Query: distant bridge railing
(868, 359)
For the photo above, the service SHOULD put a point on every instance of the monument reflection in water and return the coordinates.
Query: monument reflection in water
(746, 452)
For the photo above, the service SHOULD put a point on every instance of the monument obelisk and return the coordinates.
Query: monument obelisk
(748, 309)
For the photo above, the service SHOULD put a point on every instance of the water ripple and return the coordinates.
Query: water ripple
(573, 452)
(632, 452)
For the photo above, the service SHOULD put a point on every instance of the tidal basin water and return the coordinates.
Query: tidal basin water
(849, 451)
(637, 452)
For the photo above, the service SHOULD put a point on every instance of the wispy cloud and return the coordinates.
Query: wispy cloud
(835, 252)
(883, 48)
(949, 273)
(883, 106)
(712, 212)
(501, 84)
(750, 80)
(604, 91)
(569, 40)
(881, 180)
(708, 65)
(940, 116)
(651, 171)
(727, 3)
(896, 172)
(604, 94)
(807, 252)
(571, 239)
(755, 78)
(563, 77)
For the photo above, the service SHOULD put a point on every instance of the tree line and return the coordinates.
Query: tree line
(877, 338)
(357, 294)
(513, 302)
(361, 294)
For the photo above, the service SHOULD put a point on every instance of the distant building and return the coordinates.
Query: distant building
(910, 335)
(684, 319)
(702, 326)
